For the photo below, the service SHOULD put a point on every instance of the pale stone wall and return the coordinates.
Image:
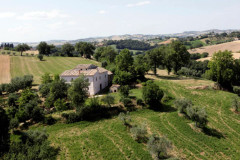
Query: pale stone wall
(99, 79)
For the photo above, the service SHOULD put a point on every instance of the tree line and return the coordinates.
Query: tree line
(130, 44)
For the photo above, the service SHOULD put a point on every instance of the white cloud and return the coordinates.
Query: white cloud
(102, 12)
(39, 15)
(21, 29)
(56, 25)
(138, 4)
(7, 14)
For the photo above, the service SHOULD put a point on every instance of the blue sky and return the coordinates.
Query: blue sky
(41, 20)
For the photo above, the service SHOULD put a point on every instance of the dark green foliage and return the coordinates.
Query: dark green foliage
(198, 115)
(108, 99)
(40, 57)
(126, 101)
(60, 105)
(124, 61)
(235, 104)
(139, 102)
(221, 68)
(155, 58)
(122, 77)
(44, 49)
(4, 131)
(179, 55)
(19, 83)
(140, 66)
(236, 90)
(194, 69)
(33, 145)
(22, 47)
(124, 91)
(12, 99)
(159, 146)
(182, 104)
(67, 49)
(44, 90)
(46, 78)
(152, 94)
(139, 133)
(85, 49)
(58, 90)
(107, 54)
(49, 120)
(78, 92)
(130, 44)
(14, 123)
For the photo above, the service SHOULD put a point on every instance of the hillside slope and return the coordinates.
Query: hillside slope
(231, 46)
(109, 139)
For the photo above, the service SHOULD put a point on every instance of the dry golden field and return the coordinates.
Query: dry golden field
(231, 46)
(5, 69)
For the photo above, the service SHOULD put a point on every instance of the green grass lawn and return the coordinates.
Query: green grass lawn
(54, 65)
(109, 139)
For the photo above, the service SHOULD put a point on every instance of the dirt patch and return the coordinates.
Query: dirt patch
(5, 75)
(199, 87)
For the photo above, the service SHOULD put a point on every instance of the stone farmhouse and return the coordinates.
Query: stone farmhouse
(99, 78)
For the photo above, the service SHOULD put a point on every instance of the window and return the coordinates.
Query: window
(105, 76)
(99, 77)
(96, 78)
(71, 79)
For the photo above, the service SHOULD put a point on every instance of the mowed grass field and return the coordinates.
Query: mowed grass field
(109, 139)
(54, 65)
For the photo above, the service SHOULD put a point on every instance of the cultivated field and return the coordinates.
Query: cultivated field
(235, 55)
(5, 76)
(54, 65)
(108, 139)
(231, 46)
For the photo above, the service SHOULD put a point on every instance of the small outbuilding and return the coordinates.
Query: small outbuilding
(114, 88)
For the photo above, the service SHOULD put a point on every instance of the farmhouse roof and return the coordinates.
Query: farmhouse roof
(85, 69)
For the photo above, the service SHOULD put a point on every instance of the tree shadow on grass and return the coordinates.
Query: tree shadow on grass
(163, 108)
(213, 132)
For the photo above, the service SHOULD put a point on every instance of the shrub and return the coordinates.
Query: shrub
(198, 115)
(125, 118)
(12, 99)
(139, 102)
(9, 53)
(49, 120)
(60, 105)
(126, 101)
(139, 133)
(14, 123)
(108, 99)
(236, 90)
(158, 146)
(32, 145)
(182, 104)
(235, 104)
(14, 53)
(40, 57)
(124, 91)
(44, 90)
(71, 117)
(152, 94)
(27, 54)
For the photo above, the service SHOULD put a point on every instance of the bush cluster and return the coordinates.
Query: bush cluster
(236, 90)
(17, 83)
(235, 104)
(158, 146)
(32, 145)
(196, 114)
